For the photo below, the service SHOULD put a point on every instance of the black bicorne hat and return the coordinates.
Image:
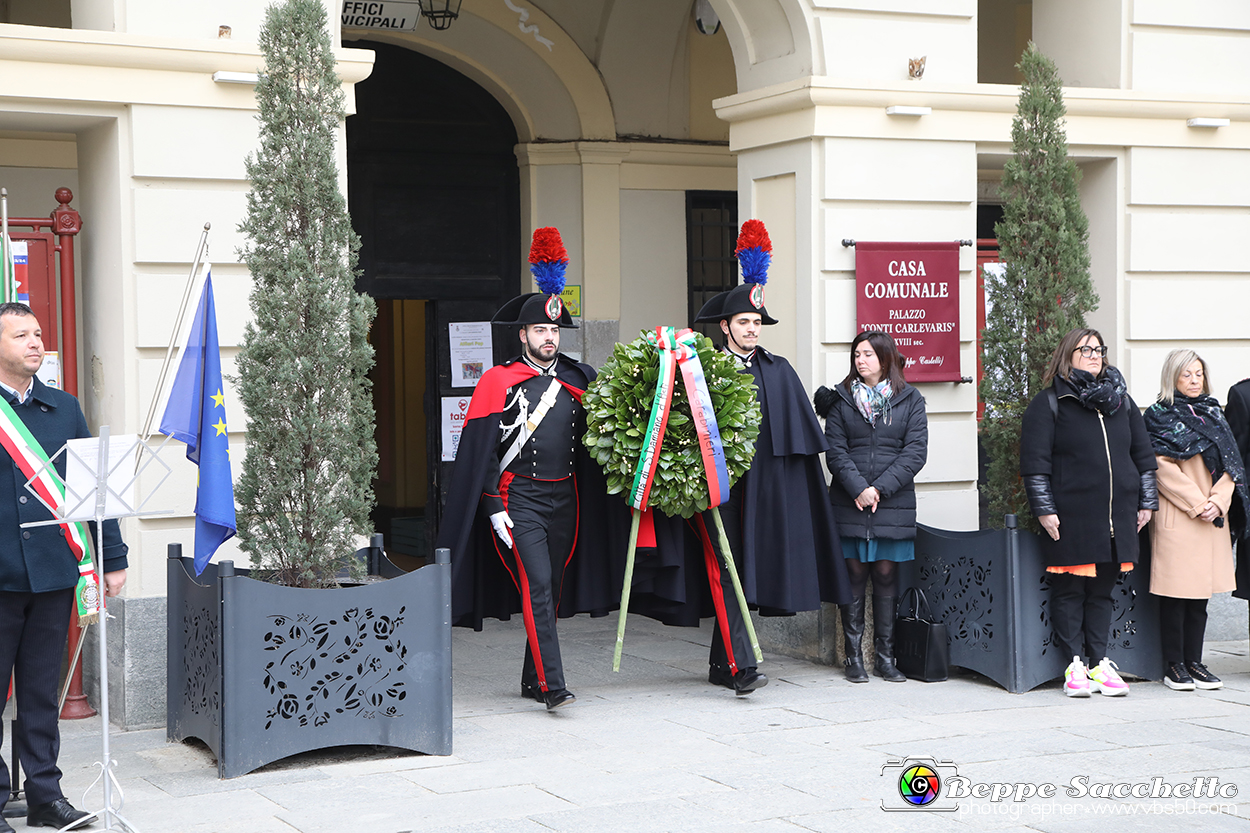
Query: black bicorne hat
(535, 308)
(548, 260)
(746, 297)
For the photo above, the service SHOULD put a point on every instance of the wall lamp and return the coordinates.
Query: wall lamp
(903, 110)
(223, 77)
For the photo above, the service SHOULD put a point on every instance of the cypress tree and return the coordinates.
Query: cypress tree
(1045, 290)
(306, 491)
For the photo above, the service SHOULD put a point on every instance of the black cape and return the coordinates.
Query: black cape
(792, 553)
(1237, 412)
(481, 586)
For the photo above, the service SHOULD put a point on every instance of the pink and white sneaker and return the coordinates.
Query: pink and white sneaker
(1075, 680)
(1103, 677)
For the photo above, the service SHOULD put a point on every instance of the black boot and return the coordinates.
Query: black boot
(883, 609)
(853, 637)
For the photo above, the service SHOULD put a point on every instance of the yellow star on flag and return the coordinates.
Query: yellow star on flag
(219, 398)
(220, 425)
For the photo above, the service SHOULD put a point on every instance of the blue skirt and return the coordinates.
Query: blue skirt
(869, 550)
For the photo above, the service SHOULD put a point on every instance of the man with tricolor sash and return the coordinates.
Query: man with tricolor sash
(777, 518)
(524, 497)
(45, 571)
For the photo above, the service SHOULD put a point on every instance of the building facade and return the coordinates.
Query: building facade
(646, 131)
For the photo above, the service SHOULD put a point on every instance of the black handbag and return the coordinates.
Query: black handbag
(920, 647)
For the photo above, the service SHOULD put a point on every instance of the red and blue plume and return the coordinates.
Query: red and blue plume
(548, 260)
(754, 252)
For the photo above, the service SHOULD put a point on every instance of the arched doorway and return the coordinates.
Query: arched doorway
(434, 192)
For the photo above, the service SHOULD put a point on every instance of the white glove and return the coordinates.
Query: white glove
(502, 523)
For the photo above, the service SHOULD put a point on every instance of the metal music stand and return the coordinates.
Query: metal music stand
(110, 497)
(15, 806)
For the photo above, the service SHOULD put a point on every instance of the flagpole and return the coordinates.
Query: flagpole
(173, 339)
(4, 233)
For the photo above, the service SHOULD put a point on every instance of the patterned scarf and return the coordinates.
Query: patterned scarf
(873, 402)
(1105, 394)
(1196, 425)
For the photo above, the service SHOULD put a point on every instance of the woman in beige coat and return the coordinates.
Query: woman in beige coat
(1200, 475)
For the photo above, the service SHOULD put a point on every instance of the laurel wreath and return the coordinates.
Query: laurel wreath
(618, 406)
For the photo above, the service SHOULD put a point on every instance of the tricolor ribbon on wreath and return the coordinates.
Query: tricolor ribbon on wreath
(33, 462)
(677, 350)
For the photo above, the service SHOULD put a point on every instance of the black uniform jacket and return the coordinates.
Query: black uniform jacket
(1095, 465)
(481, 586)
(1237, 412)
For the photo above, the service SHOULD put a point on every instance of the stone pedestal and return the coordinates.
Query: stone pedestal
(136, 640)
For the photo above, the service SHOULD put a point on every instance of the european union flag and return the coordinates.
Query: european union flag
(196, 414)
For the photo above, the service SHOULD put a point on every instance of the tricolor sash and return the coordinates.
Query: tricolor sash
(677, 349)
(33, 462)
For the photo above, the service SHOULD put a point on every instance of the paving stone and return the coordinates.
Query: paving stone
(656, 748)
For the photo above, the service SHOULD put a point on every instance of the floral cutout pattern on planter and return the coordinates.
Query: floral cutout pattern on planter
(200, 663)
(342, 666)
(962, 596)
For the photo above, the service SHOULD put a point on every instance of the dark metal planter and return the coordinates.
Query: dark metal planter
(991, 590)
(260, 672)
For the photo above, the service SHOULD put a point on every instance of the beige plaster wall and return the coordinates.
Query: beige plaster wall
(653, 261)
(1085, 40)
(1186, 281)
(31, 189)
(872, 41)
(1197, 47)
(711, 76)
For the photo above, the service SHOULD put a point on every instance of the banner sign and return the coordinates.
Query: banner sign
(911, 292)
(383, 15)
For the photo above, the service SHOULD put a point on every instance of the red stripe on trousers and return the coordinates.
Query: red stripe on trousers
(522, 582)
(712, 560)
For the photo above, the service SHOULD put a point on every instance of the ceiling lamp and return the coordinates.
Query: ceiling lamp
(440, 13)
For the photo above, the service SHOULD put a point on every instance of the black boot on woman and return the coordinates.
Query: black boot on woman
(883, 609)
(853, 635)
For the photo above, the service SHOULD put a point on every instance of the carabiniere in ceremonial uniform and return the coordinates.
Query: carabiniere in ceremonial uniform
(515, 467)
(533, 492)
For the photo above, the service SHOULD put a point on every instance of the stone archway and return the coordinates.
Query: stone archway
(773, 41)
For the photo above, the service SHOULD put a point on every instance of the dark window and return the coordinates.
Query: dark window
(711, 235)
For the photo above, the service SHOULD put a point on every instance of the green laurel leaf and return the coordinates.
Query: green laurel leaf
(618, 408)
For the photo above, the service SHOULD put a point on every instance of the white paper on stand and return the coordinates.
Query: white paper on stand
(81, 462)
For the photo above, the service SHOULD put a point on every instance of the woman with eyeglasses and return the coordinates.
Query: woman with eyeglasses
(1089, 471)
(1200, 478)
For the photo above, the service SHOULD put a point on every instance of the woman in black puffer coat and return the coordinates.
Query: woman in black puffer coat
(1089, 470)
(878, 441)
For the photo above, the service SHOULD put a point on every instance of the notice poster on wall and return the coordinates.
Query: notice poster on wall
(50, 371)
(471, 352)
(455, 410)
(21, 260)
(911, 292)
